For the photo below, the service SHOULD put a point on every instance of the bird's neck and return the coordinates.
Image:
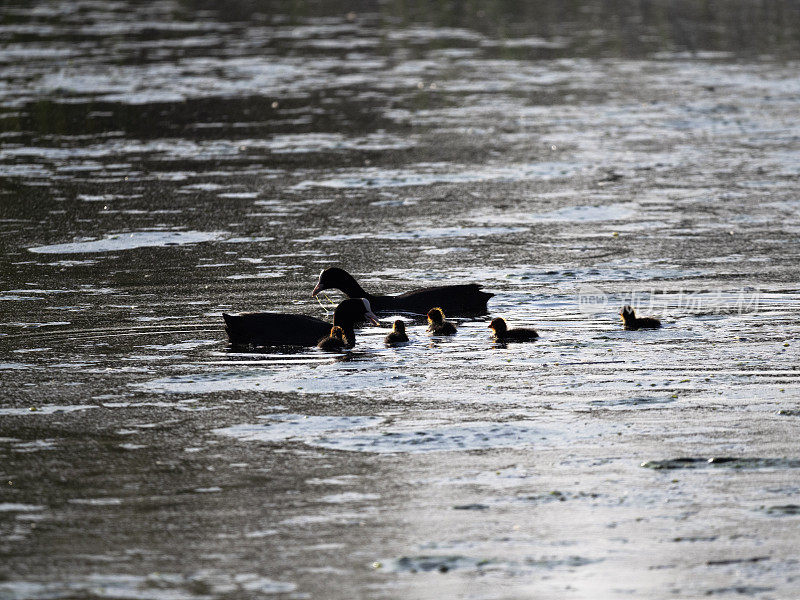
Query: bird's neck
(351, 289)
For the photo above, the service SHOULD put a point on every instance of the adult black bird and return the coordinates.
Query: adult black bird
(282, 329)
(632, 322)
(462, 300)
(503, 334)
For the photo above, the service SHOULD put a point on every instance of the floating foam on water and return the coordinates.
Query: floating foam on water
(347, 497)
(343, 433)
(339, 518)
(509, 477)
(238, 195)
(17, 507)
(47, 409)
(339, 480)
(533, 42)
(16, 298)
(34, 446)
(140, 404)
(155, 586)
(472, 436)
(581, 214)
(428, 233)
(187, 345)
(96, 501)
(261, 533)
(132, 446)
(280, 427)
(39, 325)
(433, 173)
(128, 241)
(327, 378)
(319, 142)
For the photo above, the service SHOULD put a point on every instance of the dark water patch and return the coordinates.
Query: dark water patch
(626, 28)
(100, 334)
(251, 116)
(570, 561)
(634, 401)
(447, 563)
(726, 462)
(470, 507)
(785, 510)
(736, 561)
(742, 590)
(788, 412)
(442, 564)
(555, 496)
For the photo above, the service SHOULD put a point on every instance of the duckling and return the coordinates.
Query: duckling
(335, 341)
(503, 334)
(632, 322)
(398, 334)
(437, 325)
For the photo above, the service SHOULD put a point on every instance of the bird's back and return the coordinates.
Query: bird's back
(521, 335)
(648, 323)
(395, 337)
(443, 328)
(455, 300)
(274, 329)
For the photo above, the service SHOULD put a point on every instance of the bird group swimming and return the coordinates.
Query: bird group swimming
(465, 300)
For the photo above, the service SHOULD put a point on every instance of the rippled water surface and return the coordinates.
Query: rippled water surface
(164, 162)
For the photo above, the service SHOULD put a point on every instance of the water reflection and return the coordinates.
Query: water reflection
(165, 162)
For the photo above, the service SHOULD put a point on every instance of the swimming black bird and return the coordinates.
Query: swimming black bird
(281, 329)
(398, 333)
(458, 300)
(437, 325)
(632, 322)
(335, 340)
(503, 334)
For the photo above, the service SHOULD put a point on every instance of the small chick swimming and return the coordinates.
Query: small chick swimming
(632, 322)
(398, 333)
(503, 334)
(335, 341)
(437, 325)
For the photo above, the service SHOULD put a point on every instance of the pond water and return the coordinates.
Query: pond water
(164, 162)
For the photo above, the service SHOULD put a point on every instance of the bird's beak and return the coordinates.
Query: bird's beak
(370, 316)
(489, 327)
(317, 289)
